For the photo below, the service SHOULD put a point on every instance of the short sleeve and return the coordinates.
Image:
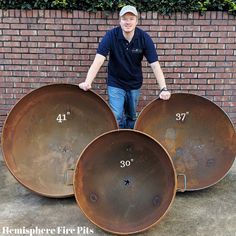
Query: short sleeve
(150, 50)
(105, 45)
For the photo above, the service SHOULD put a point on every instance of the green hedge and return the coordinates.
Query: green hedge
(165, 7)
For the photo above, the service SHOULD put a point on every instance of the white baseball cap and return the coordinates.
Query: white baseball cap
(127, 9)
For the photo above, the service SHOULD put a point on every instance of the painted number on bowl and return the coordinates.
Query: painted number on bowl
(62, 117)
(181, 116)
(127, 163)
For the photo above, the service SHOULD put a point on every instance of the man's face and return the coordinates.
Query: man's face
(128, 22)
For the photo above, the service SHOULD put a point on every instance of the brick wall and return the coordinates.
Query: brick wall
(197, 53)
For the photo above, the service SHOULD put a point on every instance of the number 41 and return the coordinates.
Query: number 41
(61, 118)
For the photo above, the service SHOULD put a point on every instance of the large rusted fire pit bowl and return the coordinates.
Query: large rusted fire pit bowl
(197, 134)
(124, 181)
(46, 131)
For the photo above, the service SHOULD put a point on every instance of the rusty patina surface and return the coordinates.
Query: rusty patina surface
(124, 181)
(197, 134)
(45, 133)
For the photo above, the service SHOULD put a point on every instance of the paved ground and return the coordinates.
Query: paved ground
(201, 213)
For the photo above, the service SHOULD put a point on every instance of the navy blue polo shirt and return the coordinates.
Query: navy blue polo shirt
(124, 67)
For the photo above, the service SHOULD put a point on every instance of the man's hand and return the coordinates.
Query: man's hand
(85, 86)
(165, 95)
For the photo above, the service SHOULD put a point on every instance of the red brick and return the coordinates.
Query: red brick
(206, 75)
(89, 40)
(174, 40)
(208, 40)
(28, 32)
(45, 32)
(200, 58)
(194, 28)
(11, 44)
(174, 64)
(82, 33)
(198, 81)
(217, 46)
(90, 27)
(184, 22)
(28, 21)
(230, 69)
(5, 38)
(167, 22)
(209, 28)
(199, 70)
(200, 46)
(189, 75)
(226, 40)
(11, 20)
(191, 52)
(158, 28)
(6, 85)
(224, 64)
(183, 58)
(63, 45)
(11, 32)
(37, 38)
(13, 56)
(207, 64)
(216, 58)
(208, 52)
(46, 44)
(229, 104)
(216, 70)
(18, 26)
(189, 87)
(98, 22)
(201, 34)
(4, 26)
(53, 50)
(202, 22)
(175, 28)
(206, 87)
(166, 58)
(227, 28)
(166, 34)
(219, 34)
(172, 52)
(225, 52)
(53, 27)
(184, 34)
(20, 50)
(215, 92)
(190, 63)
(63, 33)
(215, 81)
(191, 40)
(28, 44)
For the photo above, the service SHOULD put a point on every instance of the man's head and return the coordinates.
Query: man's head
(128, 9)
(128, 18)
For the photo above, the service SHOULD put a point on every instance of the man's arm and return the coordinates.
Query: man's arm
(92, 72)
(164, 94)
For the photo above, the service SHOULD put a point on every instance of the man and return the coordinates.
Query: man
(126, 46)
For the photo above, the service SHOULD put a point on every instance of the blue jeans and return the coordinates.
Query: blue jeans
(124, 104)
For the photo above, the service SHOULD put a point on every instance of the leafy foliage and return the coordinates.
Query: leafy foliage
(165, 7)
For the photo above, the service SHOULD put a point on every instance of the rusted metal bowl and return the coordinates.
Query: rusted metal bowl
(124, 181)
(197, 134)
(45, 133)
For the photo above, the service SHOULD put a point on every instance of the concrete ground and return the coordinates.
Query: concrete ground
(200, 213)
